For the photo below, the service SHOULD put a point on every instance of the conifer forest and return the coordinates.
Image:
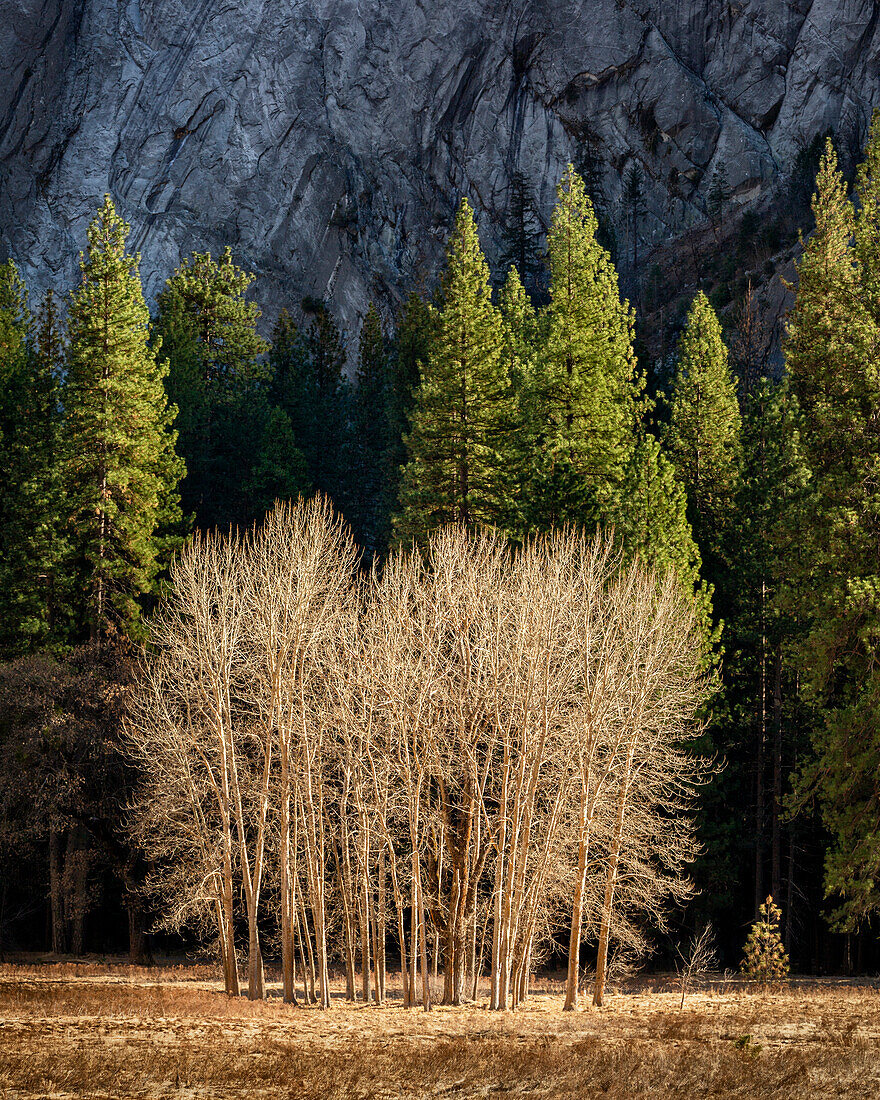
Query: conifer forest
(507, 634)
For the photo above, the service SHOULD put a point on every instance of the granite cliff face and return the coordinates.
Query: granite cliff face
(328, 140)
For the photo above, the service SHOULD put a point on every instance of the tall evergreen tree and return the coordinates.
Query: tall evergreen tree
(521, 234)
(831, 354)
(278, 469)
(31, 539)
(652, 521)
(460, 463)
(121, 471)
(371, 438)
(309, 384)
(519, 326)
(217, 380)
(520, 332)
(757, 723)
(408, 353)
(583, 398)
(703, 433)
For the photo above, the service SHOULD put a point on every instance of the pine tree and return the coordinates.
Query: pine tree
(653, 522)
(31, 539)
(279, 470)
(218, 381)
(757, 730)
(407, 356)
(309, 384)
(521, 236)
(832, 360)
(371, 438)
(719, 193)
(764, 957)
(634, 204)
(519, 325)
(121, 471)
(584, 392)
(520, 350)
(459, 458)
(703, 433)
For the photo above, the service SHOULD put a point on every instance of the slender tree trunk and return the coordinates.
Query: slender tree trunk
(789, 891)
(759, 769)
(775, 836)
(399, 907)
(363, 907)
(232, 983)
(380, 929)
(343, 870)
(288, 975)
(56, 893)
(577, 909)
(137, 941)
(77, 863)
(611, 881)
(310, 954)
(423, 937)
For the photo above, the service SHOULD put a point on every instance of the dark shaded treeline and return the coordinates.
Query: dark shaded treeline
(523, 407)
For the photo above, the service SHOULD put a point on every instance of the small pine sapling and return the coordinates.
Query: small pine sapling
(764, 958)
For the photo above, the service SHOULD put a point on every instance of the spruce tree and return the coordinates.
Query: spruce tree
(121, 471)
(460, 464)
(703, 433)
(584, 391)
(217, 380)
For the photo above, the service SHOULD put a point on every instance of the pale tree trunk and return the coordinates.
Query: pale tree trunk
(288, 966)
(399, 907)
(306, 952)
(496, 997)
(380, 930)
(426, 979)
(577, 910)
(611, 880)
(364, 907)
(343, 870)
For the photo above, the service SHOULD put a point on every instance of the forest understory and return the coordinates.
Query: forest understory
(95, 1030)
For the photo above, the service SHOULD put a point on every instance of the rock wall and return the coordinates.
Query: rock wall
(328, 141)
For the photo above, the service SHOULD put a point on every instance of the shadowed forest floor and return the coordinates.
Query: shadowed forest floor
(116, 1031)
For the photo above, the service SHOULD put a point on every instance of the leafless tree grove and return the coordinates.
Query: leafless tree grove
(445, 761)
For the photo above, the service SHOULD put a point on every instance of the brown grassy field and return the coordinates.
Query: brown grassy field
(113, 1031)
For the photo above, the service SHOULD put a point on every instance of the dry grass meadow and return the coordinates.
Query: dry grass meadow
(114, 1031)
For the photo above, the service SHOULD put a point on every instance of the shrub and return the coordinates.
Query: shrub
(764, 958)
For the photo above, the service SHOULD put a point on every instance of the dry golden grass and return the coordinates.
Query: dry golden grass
(96, 1031)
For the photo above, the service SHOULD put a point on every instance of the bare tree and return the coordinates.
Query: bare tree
(655, 775)
(698, 960)
(180, 730)
(467, 745)
(298, 592)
